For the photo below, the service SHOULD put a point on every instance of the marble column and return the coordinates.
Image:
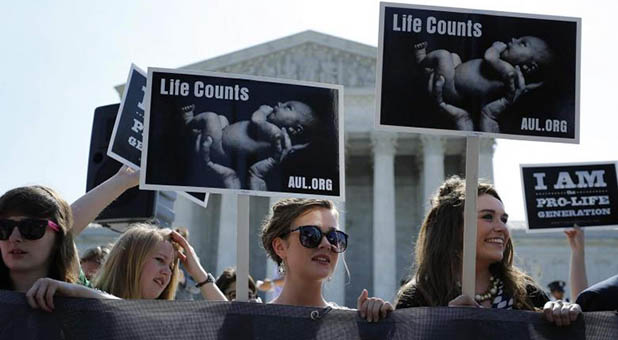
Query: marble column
(384, 247)
(226, 256)
(433, 166)
(486, 156)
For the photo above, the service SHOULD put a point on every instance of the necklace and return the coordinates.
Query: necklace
(490, 292)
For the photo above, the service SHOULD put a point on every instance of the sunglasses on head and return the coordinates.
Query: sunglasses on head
(311, 236)
(29, 228)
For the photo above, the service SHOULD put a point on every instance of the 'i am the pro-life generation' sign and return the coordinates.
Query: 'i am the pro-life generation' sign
(562, 195)
(471, 72)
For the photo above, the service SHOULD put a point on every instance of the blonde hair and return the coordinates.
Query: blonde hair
(43, 202)
(121, 273)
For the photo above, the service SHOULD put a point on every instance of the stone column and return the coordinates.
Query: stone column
(226, 256)
(486, 157)
(384, 248)
(433, 166)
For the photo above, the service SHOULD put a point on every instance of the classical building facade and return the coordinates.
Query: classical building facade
(389, 177)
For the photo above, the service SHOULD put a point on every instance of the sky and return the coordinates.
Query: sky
(62, 59)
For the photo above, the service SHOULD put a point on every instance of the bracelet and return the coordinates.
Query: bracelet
(209, 279)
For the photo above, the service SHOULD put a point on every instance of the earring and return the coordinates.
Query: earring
(282, 268)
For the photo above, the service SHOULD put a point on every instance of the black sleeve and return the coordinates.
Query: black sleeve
(536, 296)
(410, 298)
(602, 296)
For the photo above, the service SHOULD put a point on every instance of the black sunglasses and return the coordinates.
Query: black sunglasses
(311, 236)
(29, 228)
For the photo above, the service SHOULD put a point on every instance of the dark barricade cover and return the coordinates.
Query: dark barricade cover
(112, 319)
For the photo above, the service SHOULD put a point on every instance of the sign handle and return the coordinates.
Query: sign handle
(242, 249)
(468, 271)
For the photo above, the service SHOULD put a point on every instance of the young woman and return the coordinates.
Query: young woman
(35, 238)
(499, 284)
(37, 245)
(303, 238)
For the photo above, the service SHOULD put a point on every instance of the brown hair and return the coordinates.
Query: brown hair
(121, 273)
(281, 217)
(438, 251)
(42, 202)
(228, 277)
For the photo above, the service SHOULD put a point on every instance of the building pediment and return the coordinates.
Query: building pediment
(309, 56)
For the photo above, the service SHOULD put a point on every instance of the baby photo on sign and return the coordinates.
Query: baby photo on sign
(464, 70)
(210, 132)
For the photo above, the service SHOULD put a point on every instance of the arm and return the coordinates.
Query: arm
(226, 175)
(41, 294)
(461, 116)
(577, 275)
(491, 112)
(89, 206)
(261, 169)
(189, 259)
(266, 130)
(492, 57)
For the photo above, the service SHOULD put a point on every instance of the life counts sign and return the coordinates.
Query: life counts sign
(561, 195)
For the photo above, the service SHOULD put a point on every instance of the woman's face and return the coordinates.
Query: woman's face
(311, 263)
(492, 233)
(22, 255)
(157, 270)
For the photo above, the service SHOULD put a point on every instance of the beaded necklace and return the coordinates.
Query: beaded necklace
(493, 289)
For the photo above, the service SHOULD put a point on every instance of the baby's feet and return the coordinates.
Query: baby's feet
(187, 112)
(420, 51)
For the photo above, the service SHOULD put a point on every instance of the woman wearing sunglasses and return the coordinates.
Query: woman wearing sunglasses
(36, 241)
(302, 237)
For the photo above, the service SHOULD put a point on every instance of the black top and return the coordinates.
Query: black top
(536, 297)
(602, 296)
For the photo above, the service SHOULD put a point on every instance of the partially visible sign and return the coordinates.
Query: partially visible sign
(561, 195)
(126, 142)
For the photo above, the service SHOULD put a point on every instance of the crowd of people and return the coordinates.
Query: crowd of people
(302, 236)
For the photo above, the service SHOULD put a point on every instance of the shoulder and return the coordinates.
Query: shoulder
(409, 296)
(600, 296)
(536, 295)
(83, 280)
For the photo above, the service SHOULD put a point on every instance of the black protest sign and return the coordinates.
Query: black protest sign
(561, 195)
(470, 72)
(214, 132)
(126, 142)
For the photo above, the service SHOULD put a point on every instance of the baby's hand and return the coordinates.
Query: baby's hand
(499, 45)
(266, 109)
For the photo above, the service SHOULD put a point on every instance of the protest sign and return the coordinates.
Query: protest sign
(561, 195)
(214, 132)
(471, 72)
(126, 142)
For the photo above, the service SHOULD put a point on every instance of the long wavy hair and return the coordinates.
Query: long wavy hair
(120, 274)
(45, 203)
(438, 251)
